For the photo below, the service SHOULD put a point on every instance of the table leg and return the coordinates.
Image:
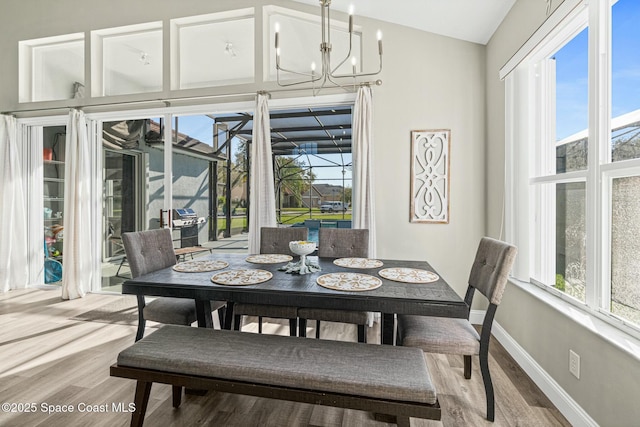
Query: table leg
(388, 328)
(203, 314)
(228, 319)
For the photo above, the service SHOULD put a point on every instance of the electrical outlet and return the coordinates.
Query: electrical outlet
(574, 363)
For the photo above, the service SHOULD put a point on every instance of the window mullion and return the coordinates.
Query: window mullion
(599, 131)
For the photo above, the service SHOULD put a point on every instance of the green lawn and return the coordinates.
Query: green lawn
(291, 216)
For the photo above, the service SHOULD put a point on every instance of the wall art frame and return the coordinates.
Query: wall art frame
(430, 176)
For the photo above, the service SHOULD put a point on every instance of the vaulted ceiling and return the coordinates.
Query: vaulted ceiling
(470, 20)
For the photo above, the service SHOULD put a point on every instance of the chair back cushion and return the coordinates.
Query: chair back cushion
(148, 251)
(491, 268)
(275, 240)
(343, 242)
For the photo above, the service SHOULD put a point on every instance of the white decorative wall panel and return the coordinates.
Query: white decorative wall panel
(430, 175)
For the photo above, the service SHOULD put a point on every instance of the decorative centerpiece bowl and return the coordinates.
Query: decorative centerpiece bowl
(302, 248)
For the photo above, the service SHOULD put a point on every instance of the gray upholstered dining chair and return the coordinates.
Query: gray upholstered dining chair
(488, 276)
(273, 240)
(148, 251)
(339, 243)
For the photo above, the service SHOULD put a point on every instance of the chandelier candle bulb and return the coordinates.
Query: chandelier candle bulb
(351, 19)
(353, 63)
(379, 42)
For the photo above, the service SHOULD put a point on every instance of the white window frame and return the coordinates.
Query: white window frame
(530, 121)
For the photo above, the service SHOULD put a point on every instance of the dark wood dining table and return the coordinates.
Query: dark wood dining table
(391, 298)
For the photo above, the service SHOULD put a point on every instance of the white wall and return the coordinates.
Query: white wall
(609, 384)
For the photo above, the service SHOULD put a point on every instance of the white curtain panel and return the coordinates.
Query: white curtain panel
(14, 273)
(78, 242)
(363, 196)
(262, 200)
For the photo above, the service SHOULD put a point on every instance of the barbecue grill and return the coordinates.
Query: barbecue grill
(186, 220)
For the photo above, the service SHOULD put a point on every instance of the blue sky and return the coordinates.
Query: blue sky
(572, 66)
(199, 127)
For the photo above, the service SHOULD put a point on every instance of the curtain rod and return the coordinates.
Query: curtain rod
(167, 101)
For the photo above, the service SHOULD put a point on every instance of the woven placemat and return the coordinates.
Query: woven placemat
(241, 277)
(358, 262)
(268, 258)
(200, 266)
(408, 275)
(349, 281)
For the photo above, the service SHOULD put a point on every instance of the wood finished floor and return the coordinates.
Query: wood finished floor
(50, 357)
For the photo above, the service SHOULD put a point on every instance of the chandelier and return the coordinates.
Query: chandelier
(327, 75)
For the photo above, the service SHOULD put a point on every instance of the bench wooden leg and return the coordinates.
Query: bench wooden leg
(400, 421)
(317, 329)
(403, 422)
(143, 389)
(467, 367)
(176, 392)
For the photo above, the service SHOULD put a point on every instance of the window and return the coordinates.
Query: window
(313, 165)
(213, 50)
(127, 60)
(575, 127)
(561, 147)
(52, 68)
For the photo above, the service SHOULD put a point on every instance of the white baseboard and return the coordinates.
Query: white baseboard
(476, 317)
(558, 396)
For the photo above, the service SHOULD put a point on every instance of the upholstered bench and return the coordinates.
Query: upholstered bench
(386, 380)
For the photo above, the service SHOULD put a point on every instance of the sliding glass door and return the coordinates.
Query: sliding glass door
(132, 190)
(121, 209)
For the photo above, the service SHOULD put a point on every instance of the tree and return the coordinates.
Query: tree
(347, 195)
(293, 177)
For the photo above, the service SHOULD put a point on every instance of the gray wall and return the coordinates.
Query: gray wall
(609, 384)
(190, 189)
(430, 82)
